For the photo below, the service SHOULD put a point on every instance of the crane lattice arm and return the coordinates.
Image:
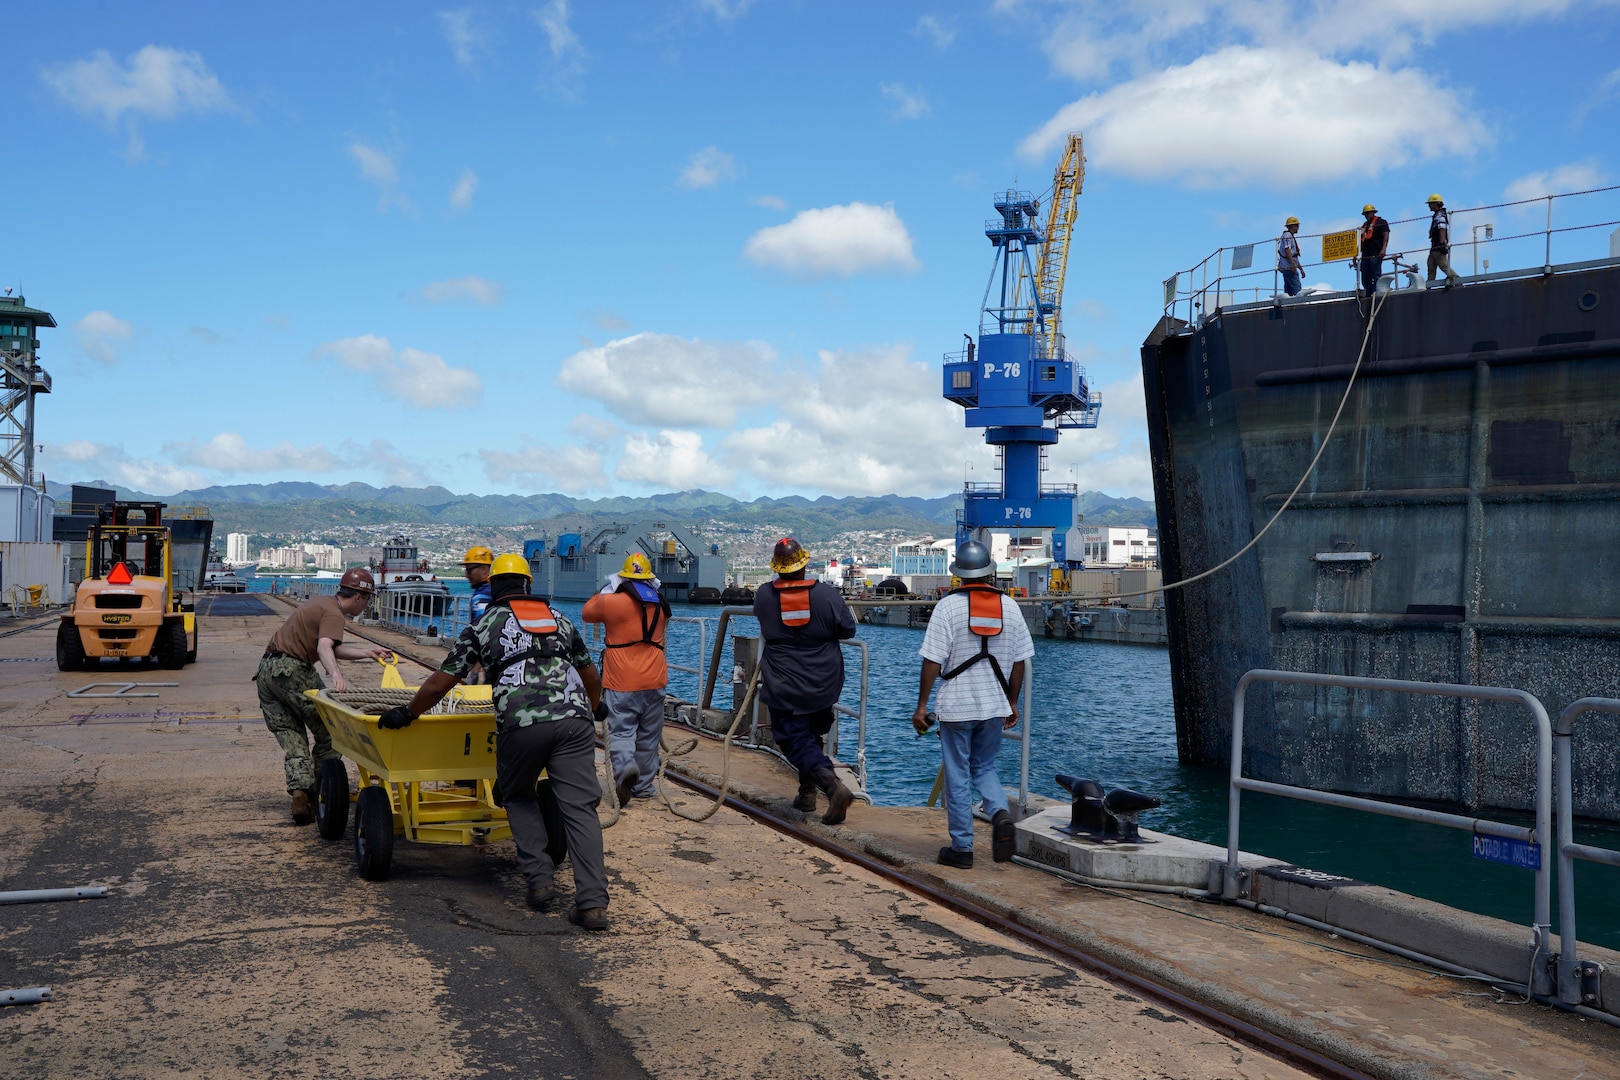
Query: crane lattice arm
(1053, 263)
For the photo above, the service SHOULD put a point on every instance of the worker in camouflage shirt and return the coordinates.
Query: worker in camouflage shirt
(545, 688)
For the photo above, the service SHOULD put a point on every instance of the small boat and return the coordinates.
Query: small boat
(406, 584)
(220, 576)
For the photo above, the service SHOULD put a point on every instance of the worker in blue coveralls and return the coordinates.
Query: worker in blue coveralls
(475, 564)
(801, 674)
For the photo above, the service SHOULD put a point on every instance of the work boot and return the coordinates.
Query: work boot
(303, 808)
(540, 899)
(962, 860)
(623, 789)
(1003, 837)
(807, 794)
(838, 796)
(593, 919)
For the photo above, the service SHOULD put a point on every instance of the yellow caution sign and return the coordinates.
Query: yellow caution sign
(1339, 245)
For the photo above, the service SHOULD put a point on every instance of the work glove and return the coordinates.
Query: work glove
(601, 710)
(397, 717)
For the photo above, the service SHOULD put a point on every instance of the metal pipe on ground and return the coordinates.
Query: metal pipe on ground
(35, 896)
(32, 995)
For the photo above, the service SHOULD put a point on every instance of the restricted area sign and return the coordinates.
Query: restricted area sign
(1520, 853)
(1338, 245)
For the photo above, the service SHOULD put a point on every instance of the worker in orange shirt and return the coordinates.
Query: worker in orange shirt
(635, 676)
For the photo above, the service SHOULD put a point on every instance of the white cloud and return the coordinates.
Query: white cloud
(567, 54)
(725, 10)
(667, 380)
(394, 469)
(415, 377)
(593, 431)
(773, 202)
(461, 195)
(155, 81)
(379, 168)
(568, 469)
(674, 460)
(1284, 117)
(939, 33)
(895, 435)
(841, 240)
(478, 290)
(102, 335)
(908, 105)
(101, 461)
(1578, 176)
(708, 167)
(466, 41)
(229, 452)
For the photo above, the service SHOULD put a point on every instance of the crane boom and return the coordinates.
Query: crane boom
(1052, 264)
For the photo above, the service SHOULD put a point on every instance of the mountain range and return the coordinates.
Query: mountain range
(298, 507)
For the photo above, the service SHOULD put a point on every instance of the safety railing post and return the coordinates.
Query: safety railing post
(1027, 719)
(1578, 983)
(1541, 976)
(1546, 265)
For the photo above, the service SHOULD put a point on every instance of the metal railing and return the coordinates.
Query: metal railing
(1540, 836)
(696, 669)
(1577, 981)
(1213, 284)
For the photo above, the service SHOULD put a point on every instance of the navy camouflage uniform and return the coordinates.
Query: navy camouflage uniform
(282, 680)
(543, 721)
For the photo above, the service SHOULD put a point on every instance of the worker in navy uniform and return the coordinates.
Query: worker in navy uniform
(802, 672)
(310, 641)
(1374, 242)
(1288, 263)
(545, 688)
(1440, 241)
(978, 643)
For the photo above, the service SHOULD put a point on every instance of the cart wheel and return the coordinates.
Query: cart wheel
(332, 799)
(373, 833)
(551, 814)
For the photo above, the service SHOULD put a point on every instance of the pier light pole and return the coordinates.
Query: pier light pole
(1490, 233)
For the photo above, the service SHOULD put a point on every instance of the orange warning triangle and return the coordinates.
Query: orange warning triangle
(120, 575)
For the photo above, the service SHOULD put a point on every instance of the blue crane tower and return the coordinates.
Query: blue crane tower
(1018, 381)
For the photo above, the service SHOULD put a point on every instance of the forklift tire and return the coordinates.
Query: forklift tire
(171, 645)
(373, 833)
(332, 799)
(69, 649)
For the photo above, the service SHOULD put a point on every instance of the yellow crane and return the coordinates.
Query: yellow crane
(1053, 262)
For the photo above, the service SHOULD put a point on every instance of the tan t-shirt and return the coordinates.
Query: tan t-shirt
(314, 619)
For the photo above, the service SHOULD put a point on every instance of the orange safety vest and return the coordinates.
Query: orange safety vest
(795, 600)
(533, 615)
(984, 619)
(534, 618)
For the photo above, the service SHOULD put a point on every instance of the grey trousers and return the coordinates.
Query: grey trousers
(566, 749)
(636, 722)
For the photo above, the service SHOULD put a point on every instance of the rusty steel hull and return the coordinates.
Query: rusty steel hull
(1469, 503)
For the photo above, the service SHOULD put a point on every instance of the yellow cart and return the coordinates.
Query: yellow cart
(431, 782)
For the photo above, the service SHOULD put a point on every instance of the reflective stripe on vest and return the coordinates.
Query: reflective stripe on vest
(534, 616)
(984, 611)
(795, 599)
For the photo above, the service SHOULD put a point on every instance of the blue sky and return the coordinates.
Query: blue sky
(623, 248)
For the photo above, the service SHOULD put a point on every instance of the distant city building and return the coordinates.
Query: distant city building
(326, 556)
(236, 548)
(287, 558)
(1119, 545)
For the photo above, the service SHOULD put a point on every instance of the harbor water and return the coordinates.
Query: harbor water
(1104, 711)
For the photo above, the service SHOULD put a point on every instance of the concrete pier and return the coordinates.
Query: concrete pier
(235, 943)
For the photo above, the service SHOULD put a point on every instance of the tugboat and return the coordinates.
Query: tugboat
(405, 583)
(221, 576)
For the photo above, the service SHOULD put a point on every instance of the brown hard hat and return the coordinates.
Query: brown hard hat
(788, 556)
(359, 579)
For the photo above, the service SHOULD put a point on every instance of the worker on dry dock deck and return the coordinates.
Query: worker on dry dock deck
(475, 564)
(802, 672)
(545, 690)
(1288, 263)
(1440, 241)
(978, 643)
(635, 675)
(313, 633)
(1374, 242)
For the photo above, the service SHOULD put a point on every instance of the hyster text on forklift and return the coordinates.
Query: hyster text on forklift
(127, 606)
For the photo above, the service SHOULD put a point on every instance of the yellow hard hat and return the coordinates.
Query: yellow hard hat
(1292, 221)
(478, 556)
(789, 556)
(637, 568)
(1435, 198)
(510, 564)
(1369, 209)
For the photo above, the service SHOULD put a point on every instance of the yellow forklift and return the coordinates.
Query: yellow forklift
(127, 606)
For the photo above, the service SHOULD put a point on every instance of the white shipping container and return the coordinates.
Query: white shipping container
(25, 564)
(25, 514)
